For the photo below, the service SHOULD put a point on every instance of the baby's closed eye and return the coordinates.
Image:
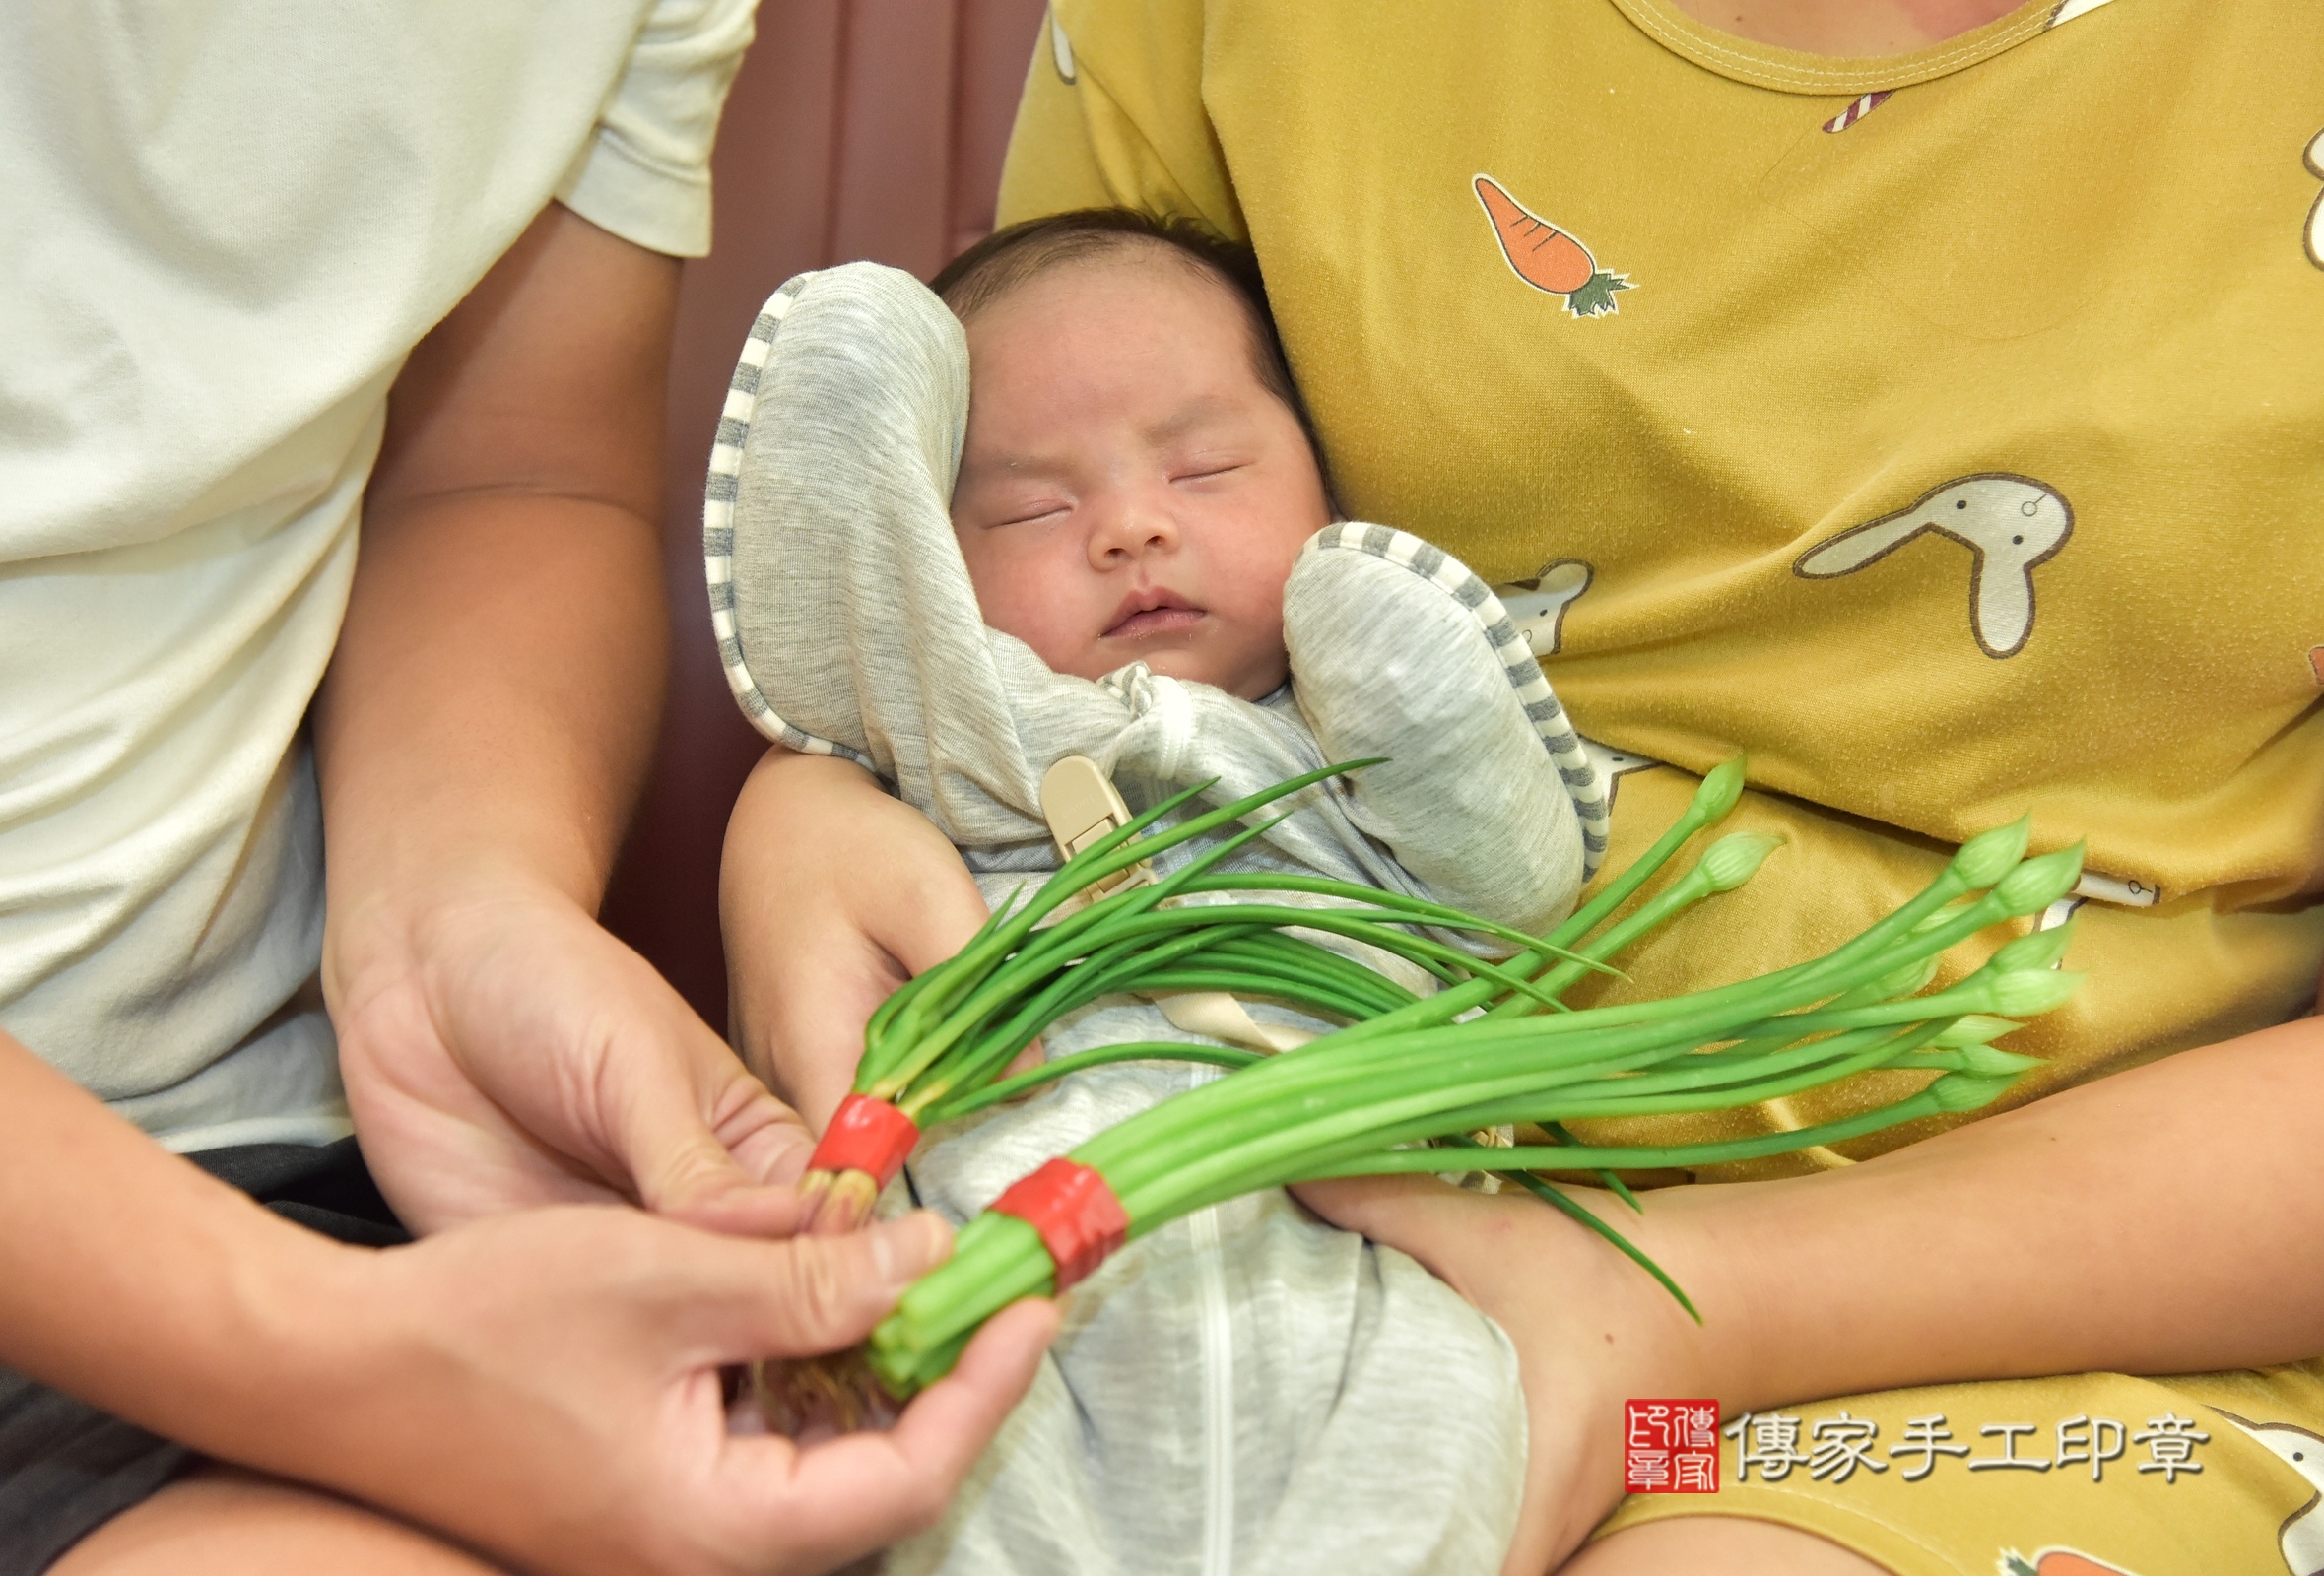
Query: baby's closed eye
(1029, 513)
(1205, 461)
(994, 508)
(1209, 471)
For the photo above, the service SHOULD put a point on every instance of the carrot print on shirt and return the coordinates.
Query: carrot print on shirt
(1546, 257)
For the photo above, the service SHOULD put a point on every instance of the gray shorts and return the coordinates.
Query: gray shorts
(67, 1468)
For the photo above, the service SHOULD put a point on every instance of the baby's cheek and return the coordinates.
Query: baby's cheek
(997, 575)
(1051, 620)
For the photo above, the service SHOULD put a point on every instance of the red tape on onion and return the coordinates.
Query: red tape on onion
(1074, 1209)
(866, 1135)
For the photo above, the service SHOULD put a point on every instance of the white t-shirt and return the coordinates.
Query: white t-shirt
(222, 226)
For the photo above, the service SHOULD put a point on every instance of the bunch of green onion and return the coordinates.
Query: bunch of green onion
(937, 1048)
(1410, 1079)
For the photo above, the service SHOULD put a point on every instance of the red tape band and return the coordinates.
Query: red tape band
(866, 1135)
(1074, 1209)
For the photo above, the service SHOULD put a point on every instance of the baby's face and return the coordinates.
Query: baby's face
(1129, 489)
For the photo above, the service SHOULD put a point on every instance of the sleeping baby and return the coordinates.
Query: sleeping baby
(1081, 512)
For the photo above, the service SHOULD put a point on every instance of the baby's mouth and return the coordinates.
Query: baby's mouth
(1150, 613)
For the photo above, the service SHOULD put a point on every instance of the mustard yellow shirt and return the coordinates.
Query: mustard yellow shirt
(1945, 430)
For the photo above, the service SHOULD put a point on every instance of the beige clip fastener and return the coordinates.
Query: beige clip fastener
(1080, 805)
(1492, 1138)
(1218, 1016)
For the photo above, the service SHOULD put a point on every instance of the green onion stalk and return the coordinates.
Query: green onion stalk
(1409, 1082)
(939, 1047)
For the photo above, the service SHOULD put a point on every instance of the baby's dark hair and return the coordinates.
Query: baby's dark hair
(1014, 256)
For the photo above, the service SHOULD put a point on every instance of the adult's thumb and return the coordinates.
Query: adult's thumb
(820, 1294)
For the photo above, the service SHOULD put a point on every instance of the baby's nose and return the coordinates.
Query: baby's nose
(1129, 531)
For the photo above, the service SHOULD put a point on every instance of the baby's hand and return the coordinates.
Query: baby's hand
(1393, 664)
(832, 895)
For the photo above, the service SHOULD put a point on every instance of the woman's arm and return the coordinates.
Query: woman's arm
(481, 738)
(2162, 1221)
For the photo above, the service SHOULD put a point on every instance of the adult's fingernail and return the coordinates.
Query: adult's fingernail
(903, 1249)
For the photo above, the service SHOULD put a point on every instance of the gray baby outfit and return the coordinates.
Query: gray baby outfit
(1246, 1390)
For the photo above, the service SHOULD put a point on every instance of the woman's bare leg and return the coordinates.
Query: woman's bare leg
(1730, 1546)
(221, 1521)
